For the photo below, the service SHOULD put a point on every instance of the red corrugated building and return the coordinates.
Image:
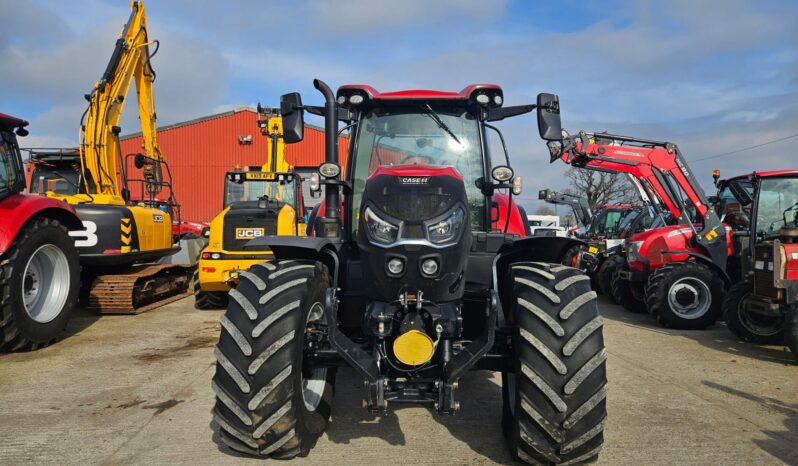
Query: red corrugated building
(200, 151)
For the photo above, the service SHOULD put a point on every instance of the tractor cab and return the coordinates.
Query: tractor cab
(12, 178)
(762, 307)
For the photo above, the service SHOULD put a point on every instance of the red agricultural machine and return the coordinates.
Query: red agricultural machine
(39, 268)
(418, 272)
(762, 210)
(676, 272)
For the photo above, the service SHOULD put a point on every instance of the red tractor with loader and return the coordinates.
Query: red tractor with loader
(762, 210)
(417, 272)
(39, 267)
(675, 272)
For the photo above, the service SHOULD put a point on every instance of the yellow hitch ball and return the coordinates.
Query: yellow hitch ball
(413, 348)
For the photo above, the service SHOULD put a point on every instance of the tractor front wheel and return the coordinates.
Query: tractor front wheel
(623, 294)
(555, 397)
(39, 282)
(268, 403)
(684, 295)
(746, 325)
(207, 299)
(606, 271)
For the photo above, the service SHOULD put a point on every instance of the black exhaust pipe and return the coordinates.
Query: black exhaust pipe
(331, 194)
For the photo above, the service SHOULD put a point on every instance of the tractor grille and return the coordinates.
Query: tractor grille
(242, 225)
(763, 274)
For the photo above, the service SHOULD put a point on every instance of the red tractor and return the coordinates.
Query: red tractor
(762, 210)
(39, 268)
(418, 272)
(676, 272)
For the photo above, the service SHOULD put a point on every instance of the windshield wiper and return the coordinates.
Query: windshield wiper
(440, 122)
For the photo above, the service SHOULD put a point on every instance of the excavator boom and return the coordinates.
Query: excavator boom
(99, 130)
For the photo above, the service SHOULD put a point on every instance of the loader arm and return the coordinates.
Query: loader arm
(578, 204)
(99, 130)
(661, 171)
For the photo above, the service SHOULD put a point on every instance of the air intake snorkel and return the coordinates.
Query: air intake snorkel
(329, 225)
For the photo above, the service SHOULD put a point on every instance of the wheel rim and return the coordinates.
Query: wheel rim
(45, 283)
(689, 297)
(314, 384)
(758, 324)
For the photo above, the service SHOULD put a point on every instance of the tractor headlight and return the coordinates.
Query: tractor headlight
(447, 229)
(633, 250)
(378, 229)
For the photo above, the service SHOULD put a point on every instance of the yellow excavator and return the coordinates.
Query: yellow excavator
(121, 238)
(258, 201)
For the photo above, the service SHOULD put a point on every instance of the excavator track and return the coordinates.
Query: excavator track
(140, 289)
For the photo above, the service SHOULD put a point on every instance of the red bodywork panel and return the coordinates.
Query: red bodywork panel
(669, 238)
(417, 171)
(790, 264)
(8, 122)
(17, 209)
(419, 94)
(194, 228)
(517, 222)
(769, 174)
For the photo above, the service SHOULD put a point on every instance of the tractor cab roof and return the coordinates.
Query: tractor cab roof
(8, 122)
(764, 174)
(354, 95)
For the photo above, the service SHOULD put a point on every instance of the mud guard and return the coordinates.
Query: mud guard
(323, 250)
(706, 260)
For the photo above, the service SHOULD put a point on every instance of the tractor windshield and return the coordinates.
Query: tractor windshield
(8, 172)
(248, 192)
(421, 135)
(777, 206)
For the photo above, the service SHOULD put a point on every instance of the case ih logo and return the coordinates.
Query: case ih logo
(248, 233)
(414, 180)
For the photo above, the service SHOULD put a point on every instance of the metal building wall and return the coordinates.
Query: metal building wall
(199, 153)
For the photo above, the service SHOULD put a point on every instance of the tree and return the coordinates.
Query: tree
(600, 187)
(544, 210)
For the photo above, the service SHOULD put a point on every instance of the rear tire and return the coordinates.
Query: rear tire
(623, 294)
(39, 283)
(208, 299)
(555, 399)
(747, 326)
(684, 295)
(267, 403)
(606, 271)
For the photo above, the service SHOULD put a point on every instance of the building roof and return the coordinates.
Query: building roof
(214, 116)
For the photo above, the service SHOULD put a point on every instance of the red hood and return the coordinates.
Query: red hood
(417, 171)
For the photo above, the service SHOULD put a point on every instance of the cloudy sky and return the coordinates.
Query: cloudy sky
(712, 76)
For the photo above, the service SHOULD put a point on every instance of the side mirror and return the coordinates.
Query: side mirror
(740, 193)
(138, 161)
(549, 125)
(293, 117)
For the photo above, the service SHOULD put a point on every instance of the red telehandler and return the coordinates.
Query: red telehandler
(676, 272)
(39, 268)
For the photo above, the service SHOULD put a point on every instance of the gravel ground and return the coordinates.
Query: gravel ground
(136, 389)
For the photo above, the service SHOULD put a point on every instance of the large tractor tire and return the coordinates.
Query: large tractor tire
(791, 330)
(39, 283)
(750, 326)
(267, 403)
(623, 294)
(606, 271)
(684, 295)
(208, 299)
(555, 397)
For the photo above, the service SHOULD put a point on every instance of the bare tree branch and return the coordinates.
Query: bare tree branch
(599, 187)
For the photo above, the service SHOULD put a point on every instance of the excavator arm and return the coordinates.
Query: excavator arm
(99, 130)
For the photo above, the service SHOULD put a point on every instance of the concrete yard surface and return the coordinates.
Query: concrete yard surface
(136, 390)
